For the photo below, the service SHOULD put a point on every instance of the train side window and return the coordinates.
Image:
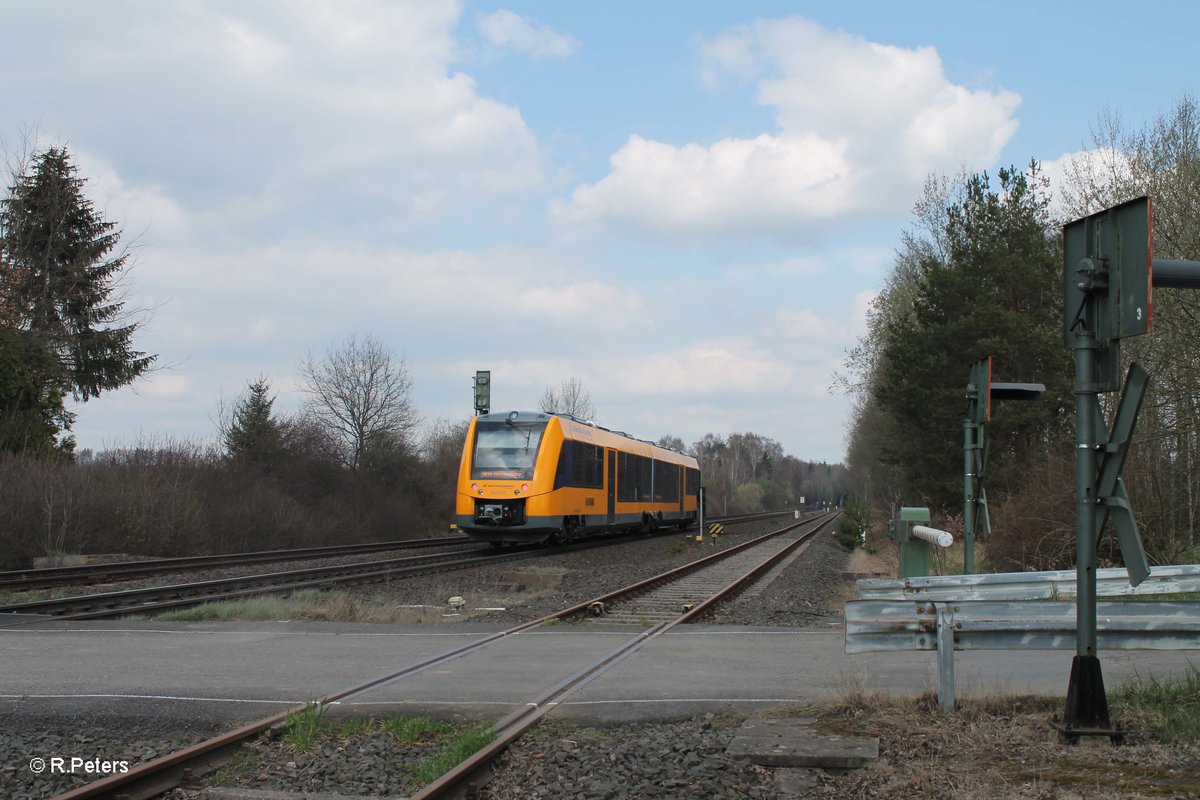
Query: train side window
(580, 465)
(666, 482)
(628, 477)
(566, 460)
(636, 479)
(592, 458)
(693, 482)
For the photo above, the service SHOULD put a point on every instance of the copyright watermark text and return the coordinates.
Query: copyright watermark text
(76, 765)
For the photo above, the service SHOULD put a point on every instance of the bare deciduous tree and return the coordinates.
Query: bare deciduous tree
(569, 398)
(360, 394)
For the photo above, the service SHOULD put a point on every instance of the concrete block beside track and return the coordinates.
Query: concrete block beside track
(794, 743)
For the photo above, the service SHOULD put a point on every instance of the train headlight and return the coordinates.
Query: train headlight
(524, 487)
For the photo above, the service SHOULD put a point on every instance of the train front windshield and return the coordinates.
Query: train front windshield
(506, 451)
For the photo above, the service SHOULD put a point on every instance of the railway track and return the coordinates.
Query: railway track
(86, 574)
(107, 605)
(51, 577)
(735, 567)
(665, 598)
(160, 598)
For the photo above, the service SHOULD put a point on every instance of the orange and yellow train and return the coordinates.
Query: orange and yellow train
(533, 477)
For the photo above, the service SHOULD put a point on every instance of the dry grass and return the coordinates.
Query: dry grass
(878, 563)
(995, 747)
(386, 605)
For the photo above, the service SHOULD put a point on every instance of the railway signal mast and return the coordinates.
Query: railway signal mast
(1108, 275)
(981, 392)
(483, 392)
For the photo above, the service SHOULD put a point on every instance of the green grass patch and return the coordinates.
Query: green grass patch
(306, 604)
(301, 729)
(258, 608)
(408, 730)
(243, 764)
(12, 598)
(352, 727)
(1153, 597)
(1168, 710)
(455, 750)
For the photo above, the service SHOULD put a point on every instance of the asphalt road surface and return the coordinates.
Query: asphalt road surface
(246, 670)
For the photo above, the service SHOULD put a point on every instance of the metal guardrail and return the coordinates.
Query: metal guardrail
(1171, 579)
(946, 626)
(874, 625)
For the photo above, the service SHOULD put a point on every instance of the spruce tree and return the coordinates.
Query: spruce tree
(31, 405)
(253, 436)
(59, 266)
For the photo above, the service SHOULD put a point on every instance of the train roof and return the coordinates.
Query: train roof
(528, 417)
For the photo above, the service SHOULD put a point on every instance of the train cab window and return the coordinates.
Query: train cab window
(693, 482)
(506, 451)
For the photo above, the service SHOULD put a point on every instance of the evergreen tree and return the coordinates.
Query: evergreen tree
(253, 436)
(996, 292)
(31, 404)
(57, 274)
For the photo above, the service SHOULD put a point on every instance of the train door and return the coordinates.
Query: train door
(681, 481)
(612, 487)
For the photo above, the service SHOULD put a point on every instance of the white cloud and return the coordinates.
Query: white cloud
(165, 386)
(1101, 175)
(803, 324)
(861, 125)
(507, 29)
(146, 205)
(708, 367)
(271, 119)
(755, 185)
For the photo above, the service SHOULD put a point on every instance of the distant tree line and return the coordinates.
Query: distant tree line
(979, 274)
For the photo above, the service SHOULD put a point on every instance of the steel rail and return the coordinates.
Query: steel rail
(154, 777)
(685, 569)
(511, 727)
(739, 585)
(49, 577)
(131, 601)
(111, 604)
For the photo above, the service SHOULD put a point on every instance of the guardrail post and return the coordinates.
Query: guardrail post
(945, 658)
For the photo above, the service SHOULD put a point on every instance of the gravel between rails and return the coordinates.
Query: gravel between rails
(806, 592)
(27, 735)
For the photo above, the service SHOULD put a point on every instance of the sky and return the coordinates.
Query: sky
(687, 206)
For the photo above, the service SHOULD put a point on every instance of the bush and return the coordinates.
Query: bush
(173, 498)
